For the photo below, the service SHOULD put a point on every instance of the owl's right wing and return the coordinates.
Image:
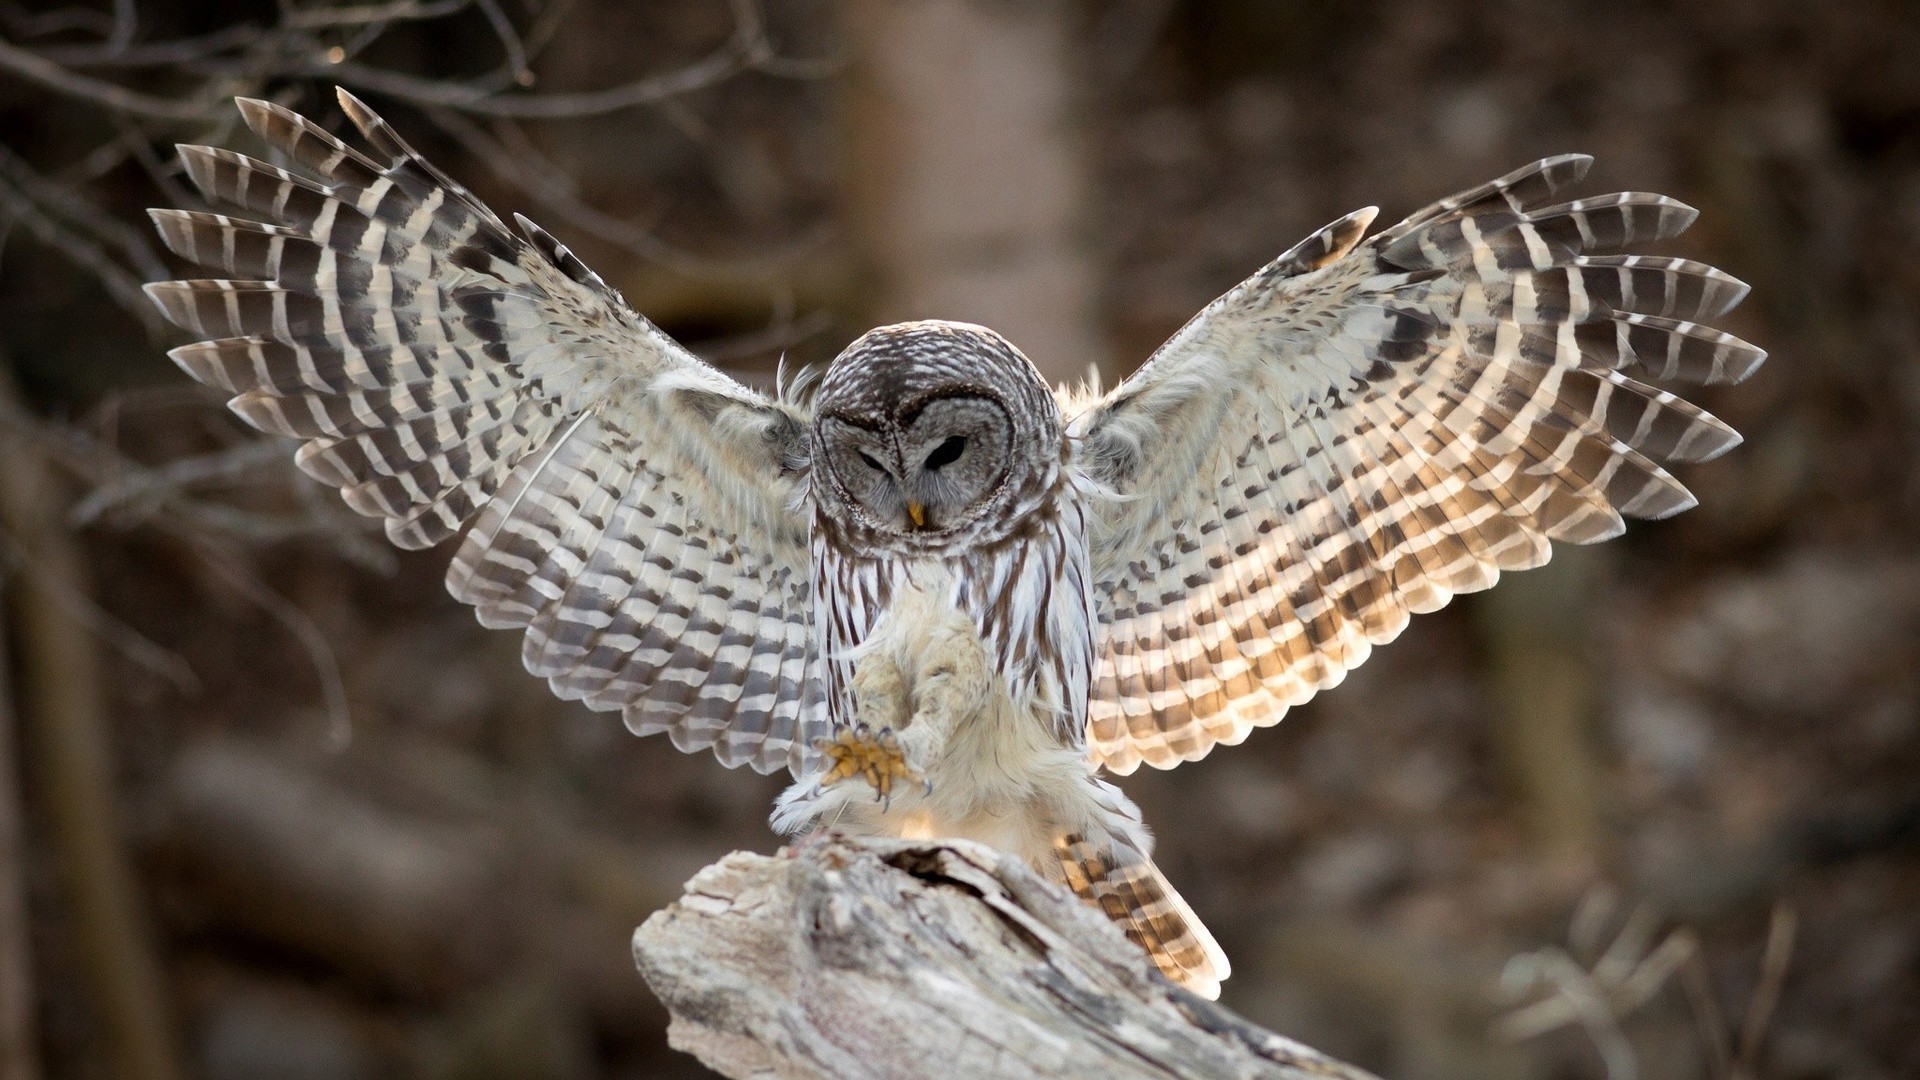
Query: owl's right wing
(641, 514)
(1365, 428)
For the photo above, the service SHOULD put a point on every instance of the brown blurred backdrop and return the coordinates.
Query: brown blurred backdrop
(271, 804)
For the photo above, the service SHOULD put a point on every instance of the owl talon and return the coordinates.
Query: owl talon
(874, 755)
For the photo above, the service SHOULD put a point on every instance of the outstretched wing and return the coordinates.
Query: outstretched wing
(1363, 429)
(637, 511)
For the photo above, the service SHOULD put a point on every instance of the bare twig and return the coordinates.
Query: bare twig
(1627, 974)
(783, 331)
(1781, 930)
(164, 174)
(727, 61)
(1707, 1017)
(39, 69)
(333, 685)
(141, 492)
(1575, 997)
(514, 158)
(747, 48)
(158, 495)
(124, 639)
(314, 18)
(1587, 930)
(84, 251)
(154, 54)
(31, 24)
(546, 24)
(161, 496)
(125, 19)
(60, 200)
(510, 41)
(298, 46)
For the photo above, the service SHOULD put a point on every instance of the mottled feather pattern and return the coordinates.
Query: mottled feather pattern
(637, 511)
(1408, 416)
(1130, 890)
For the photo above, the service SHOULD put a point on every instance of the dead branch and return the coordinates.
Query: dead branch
(90, 255)
(59, 199)
(896, 958)
(301, 46)
(39, 69)
(160, 498)
(63, 706)
(19, 1050)
(125, 493)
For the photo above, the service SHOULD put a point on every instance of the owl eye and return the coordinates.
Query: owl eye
(871, 464)
(947, 452)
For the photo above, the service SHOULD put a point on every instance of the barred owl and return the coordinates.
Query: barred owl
(945, 596)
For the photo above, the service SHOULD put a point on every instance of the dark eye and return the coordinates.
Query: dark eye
(871, 464)
(947, 452)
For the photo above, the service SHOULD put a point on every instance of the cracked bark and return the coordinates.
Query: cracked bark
(900, 958)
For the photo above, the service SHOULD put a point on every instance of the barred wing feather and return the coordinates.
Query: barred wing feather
(1365, 428)
(637, 511)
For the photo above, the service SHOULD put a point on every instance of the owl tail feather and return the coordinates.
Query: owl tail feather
(1131, 890)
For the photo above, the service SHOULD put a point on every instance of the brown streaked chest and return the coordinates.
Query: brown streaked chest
(1027, 595)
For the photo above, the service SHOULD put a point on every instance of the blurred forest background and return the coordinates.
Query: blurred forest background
(271, 804)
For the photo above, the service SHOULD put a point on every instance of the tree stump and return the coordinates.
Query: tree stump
(852, 958)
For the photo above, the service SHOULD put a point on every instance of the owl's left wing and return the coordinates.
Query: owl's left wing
(641, 514)
(1365, 428)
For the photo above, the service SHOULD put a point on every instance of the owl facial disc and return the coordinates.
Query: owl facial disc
(926, 430)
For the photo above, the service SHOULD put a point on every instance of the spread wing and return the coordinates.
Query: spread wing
(638, 512)
(1365, 428)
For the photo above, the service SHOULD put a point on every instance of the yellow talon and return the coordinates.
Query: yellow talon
(873, 755)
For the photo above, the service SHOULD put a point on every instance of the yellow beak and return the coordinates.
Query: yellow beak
(918, 513)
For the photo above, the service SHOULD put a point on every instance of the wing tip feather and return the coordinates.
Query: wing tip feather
(259, 113)
(203, 366)
(199, 162)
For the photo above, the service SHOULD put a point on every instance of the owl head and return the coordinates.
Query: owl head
(931, 436)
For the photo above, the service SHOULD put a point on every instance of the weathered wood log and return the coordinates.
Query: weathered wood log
(906, 958)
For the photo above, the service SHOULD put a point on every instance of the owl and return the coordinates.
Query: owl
(945, 596)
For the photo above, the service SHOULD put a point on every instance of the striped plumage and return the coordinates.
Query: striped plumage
(1013, 550)
(634, 509)
(936, 570)
(1364, 429)
(1126, 886)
